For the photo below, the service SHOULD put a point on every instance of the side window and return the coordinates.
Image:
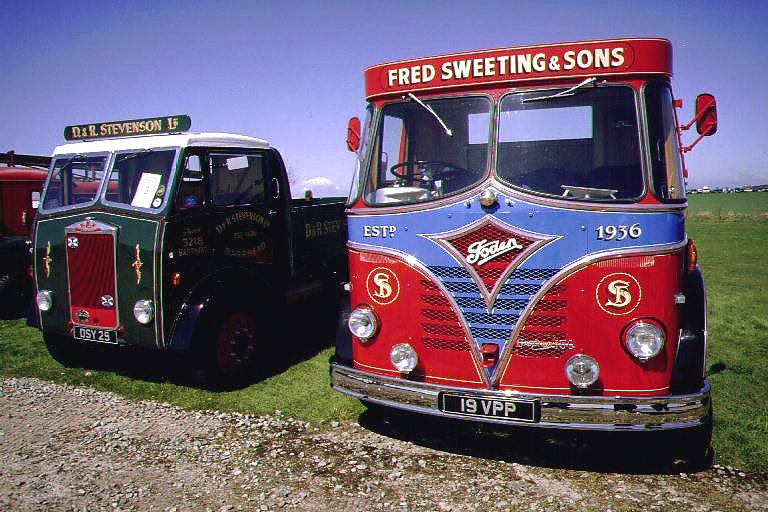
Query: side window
(237, 179)
(191, 189)
(666, 160)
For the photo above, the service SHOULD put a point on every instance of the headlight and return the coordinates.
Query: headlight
(644, 340)
(362, 323)
(403, 357)
(144, 311)
(582, 370)
(44, 300)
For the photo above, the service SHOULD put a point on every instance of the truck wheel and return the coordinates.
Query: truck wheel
(64, 349)
(13, 300)
(693, 447)
(233, 349)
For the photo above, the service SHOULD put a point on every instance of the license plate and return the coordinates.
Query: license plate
(91, 334)
(499, 408)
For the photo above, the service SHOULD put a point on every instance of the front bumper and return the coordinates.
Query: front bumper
(557, 411)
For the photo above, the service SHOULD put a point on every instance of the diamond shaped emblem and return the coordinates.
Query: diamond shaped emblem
(490, 250)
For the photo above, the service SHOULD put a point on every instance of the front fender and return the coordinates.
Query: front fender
(206, 295)
(688, 372)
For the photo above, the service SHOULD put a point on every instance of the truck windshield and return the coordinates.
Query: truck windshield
(140, 178)
(416, 158)
(74, 180)
(583, 146)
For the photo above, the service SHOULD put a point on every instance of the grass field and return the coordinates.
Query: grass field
(733, 259)
(741, 206)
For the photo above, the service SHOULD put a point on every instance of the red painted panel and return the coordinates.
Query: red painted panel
(91, 269)
(521, 64)
(411, 308)
(588, 311)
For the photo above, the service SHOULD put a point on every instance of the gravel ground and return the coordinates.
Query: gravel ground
(66, 448)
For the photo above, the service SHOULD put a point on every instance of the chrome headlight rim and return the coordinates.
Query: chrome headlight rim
(582, 370)
(363, 323)
(44, 300)
(644, 339)
(144, 311)
(403, 357)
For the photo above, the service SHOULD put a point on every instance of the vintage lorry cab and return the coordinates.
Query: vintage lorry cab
(517, 245)
(158, 237)
(21, 182)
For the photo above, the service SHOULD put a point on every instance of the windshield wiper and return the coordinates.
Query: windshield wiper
(429, 109)
(68, 163)
(131, 156)
(567, 92)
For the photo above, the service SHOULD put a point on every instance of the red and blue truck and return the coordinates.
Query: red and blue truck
(517, 243)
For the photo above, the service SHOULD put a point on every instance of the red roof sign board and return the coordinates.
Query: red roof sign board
(521, 64)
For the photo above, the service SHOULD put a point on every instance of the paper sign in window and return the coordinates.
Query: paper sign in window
(146, 190)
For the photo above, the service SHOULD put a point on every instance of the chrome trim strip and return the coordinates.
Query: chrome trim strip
(557, 411)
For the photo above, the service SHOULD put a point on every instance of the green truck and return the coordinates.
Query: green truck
(154, 236)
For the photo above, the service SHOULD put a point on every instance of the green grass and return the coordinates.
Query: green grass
(301, 391)
(733, 260)
(741, 206)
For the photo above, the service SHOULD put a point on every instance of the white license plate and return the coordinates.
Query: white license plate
(499, 408)
(92, 334)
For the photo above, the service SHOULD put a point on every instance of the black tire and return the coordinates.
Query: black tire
(15, 290)
(696, 446)
(226, 351)
(65, 350)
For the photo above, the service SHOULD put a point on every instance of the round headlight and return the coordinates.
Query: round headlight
(403, 357)
(644, 340)
(582, 370)
(362, 323)
(44, 300)
(144, 311)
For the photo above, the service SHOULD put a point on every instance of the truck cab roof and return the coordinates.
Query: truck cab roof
(208, 139)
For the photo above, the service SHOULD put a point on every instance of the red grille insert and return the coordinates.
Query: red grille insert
(91, 270)
(545, 333)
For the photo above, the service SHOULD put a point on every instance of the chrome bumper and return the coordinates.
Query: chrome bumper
(557, 411)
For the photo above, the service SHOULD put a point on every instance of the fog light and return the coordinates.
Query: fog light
(144, 311)
(644, 340)
(403, 357)
(44, 300)
(582, 371)
(362, 323)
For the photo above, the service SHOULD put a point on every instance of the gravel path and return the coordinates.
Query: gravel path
(65, 448)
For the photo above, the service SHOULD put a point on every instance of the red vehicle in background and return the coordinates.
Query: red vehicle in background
(517, 243)
(21, 183)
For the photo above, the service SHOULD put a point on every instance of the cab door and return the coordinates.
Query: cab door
(243, 209)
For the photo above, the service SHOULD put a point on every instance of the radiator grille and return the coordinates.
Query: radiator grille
(91, 270)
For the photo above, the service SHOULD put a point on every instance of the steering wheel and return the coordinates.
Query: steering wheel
(427, 170)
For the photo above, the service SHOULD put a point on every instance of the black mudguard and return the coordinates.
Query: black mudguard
(688, 372)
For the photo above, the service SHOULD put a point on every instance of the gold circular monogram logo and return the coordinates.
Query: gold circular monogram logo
(383, 286)
(618, 294)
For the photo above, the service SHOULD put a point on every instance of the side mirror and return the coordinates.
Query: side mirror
(706, 114)
(353, 134)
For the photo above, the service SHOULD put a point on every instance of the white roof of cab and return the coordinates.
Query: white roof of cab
(224, 140)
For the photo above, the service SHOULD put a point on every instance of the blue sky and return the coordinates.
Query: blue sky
(291, 72)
